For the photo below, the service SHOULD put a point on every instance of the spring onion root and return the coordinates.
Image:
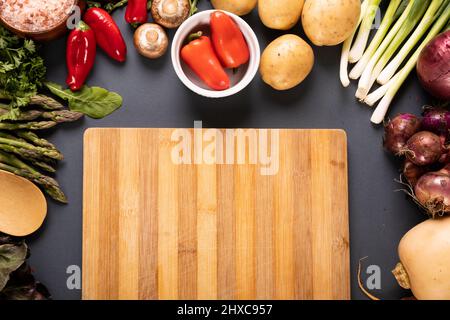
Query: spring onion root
(364, 31)
(383, 106)
(346, 48)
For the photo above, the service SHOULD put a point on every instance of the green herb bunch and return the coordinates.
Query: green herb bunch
(22, 72)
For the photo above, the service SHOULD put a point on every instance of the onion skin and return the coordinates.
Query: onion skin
(433, 66)
(436, 120)
(432, 191)
(412, 172)
(423, 148)
(398, 130)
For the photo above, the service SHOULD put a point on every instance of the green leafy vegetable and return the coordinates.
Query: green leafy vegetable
(16, 280)
(22, 71)
(94, 102)
(110, 6)
(193, 10)
(23, 286)
(12, 256)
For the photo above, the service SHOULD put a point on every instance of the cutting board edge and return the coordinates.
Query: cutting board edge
(90, 131)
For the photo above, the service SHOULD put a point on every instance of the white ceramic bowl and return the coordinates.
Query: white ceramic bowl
(239, 80)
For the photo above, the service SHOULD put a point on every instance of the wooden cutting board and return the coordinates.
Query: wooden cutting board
(157, 229)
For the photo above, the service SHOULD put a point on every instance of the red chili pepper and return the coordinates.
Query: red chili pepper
(136, 11)
(80, 55)
(228, 40)
(107, 33)
(199, 55)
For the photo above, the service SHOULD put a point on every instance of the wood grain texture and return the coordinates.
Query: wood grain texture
(154, 229)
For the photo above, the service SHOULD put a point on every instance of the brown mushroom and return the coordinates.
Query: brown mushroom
(170, 13)
(151, 40)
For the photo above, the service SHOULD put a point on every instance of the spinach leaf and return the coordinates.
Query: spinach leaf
(94, 102)
(12, 256)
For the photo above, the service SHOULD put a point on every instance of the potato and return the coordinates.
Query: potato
(239, 7)
(286, 62)
(280, 14)
(330, 22)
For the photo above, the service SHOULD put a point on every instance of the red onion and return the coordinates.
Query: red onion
(399, 130)
(433, 191)
(412, 172)
(436, 120)
(423, 148)
(433, 66)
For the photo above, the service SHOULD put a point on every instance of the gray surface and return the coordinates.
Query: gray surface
(154, 97)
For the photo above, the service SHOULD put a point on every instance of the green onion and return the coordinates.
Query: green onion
(417, 11)
(367, 71)
(364, 31)
(383, 106)
(401, 8)
(346, 48)
(378, 94)
(388, 19)
(423, 26)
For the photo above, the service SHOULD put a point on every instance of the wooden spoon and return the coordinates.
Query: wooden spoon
(22, 205)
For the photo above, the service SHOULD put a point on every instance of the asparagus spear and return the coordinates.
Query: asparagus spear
(35, 158)
(33, 138)
(12, 164)
(28, 137)
(28, 115)
(6, 134)
(46, 102)
(60, 116)
(39, 125)
(42, 165)
(51, 153)
(22, 152)
(28, 155)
